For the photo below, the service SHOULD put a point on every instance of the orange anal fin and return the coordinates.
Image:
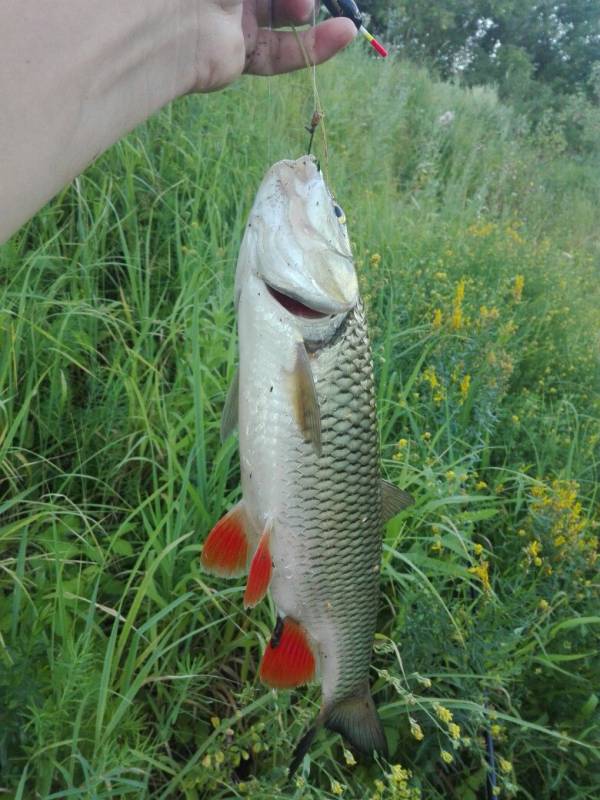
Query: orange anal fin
(225, 550)
(260, 572)
(288, 660)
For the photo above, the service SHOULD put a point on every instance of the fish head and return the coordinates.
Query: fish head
(296, 242)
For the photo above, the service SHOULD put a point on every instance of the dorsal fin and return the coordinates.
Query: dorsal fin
(229, 420)
(393, 500)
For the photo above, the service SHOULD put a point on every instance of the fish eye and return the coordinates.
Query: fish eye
(339, 214)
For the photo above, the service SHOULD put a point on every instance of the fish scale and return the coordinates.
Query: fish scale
(337, 505)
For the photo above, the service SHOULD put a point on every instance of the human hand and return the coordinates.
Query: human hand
(236, 36)
(75, 77)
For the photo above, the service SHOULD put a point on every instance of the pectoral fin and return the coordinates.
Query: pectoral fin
(227, 546)
(304, 399)
(229, 420)
(393, 500)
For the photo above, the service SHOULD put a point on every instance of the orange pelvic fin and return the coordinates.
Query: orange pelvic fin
(288, 660)
(226, 548)
(260, 572)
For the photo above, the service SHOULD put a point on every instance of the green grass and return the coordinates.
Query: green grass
(124, 670)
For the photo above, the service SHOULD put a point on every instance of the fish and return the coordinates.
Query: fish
(309, 525)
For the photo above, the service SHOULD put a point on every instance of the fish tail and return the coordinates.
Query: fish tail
(355, 718)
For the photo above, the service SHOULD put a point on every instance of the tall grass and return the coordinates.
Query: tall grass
(124, 670)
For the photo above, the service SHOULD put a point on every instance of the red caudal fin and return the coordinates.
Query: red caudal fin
(260, 572)
(226, 548)
(288, 660)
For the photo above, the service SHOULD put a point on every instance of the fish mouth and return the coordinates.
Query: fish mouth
(294, 306)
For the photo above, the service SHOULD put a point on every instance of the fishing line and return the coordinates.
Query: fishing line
(318, 113)
(270, 93)
(316, 119)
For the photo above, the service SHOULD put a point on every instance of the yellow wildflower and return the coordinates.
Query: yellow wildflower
(496, 729)
(482, 571)
(437, 318)
(478, 549)
(443, 713)
(207, 761)
(481, 485)
(416, 730)
(464, 388)
(518, 288)
(457, 313)
(215, 722)
(534, 548)
(219, 757)
(349, 758)
(454, 730)
(402, 443)
(543, 605)
(457, 318)
(505, 765)
(426, 436)
(431, 378)
(399, 774)
(337, 788)
(488, 314)
(447, 757)
(375, 260)
(481, 229)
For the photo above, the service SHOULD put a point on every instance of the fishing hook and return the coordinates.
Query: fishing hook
(314, 122)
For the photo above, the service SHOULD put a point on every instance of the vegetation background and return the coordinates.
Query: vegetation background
(124, 670)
